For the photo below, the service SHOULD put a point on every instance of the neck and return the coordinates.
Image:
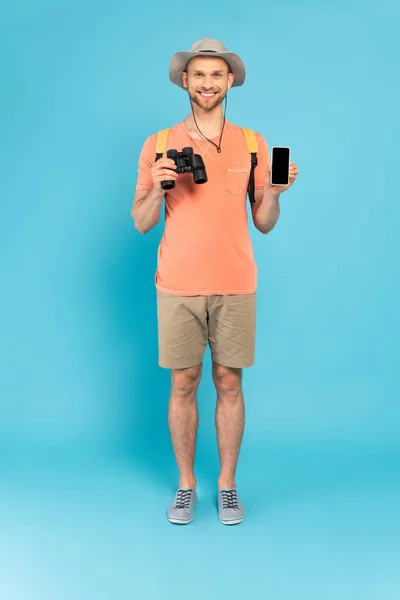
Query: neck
(209, 121)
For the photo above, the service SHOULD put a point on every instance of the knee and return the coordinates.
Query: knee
(185, 382)
(228, 381)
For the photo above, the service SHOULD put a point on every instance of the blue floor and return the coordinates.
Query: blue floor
(322, 523)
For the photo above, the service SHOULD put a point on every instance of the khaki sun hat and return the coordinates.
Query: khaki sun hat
(206, 47)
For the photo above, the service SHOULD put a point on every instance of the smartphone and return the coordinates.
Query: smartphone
(280, 159)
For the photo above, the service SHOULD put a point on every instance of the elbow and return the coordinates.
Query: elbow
(143, 225)
(140, 229)
(144, 228)
(268, 223)
(268, 226)
(136, 223)
(265, 228)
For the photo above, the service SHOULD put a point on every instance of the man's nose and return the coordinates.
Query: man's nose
(208, 82)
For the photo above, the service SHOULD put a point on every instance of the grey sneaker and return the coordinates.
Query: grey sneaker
(230, 509)
(181, 511)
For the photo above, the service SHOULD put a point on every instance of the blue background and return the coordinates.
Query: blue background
(86, 466)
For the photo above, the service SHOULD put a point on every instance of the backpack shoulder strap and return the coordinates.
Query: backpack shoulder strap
(251, 140)
(252, 147)
(161, 143)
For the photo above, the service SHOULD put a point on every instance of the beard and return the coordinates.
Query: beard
(207, 105)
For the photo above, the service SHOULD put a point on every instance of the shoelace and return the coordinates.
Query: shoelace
(229, 499)
(183, 499)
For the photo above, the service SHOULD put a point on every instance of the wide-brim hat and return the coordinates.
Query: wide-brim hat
(206, 47)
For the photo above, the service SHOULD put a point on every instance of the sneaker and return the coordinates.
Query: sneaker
(181, 511)
(230, 509)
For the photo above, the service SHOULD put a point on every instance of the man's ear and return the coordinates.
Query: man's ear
(184, 79)
(231, 79)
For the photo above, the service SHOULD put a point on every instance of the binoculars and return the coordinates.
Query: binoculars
(186, 162)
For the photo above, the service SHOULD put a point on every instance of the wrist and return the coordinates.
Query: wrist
(158, 194)
(270, 188)
(272, 193)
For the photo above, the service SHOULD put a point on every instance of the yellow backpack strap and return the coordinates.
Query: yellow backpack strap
(251, 140)
(252, 147)
(161, 143)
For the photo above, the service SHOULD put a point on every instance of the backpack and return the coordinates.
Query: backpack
(252, 147)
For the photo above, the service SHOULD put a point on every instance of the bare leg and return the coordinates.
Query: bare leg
(229, 420)
(183, 421)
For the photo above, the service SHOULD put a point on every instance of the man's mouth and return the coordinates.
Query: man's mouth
(207, 95)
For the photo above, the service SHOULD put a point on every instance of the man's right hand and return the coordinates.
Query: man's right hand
(161, 171)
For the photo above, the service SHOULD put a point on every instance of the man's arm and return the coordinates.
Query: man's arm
(265, 210)
(146, 209)
(147, 204)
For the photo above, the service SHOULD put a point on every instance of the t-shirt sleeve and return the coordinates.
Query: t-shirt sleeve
(264, 162)
(146, 161)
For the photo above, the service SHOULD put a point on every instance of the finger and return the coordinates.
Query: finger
(166, 175)
(163, 170)
(164, 162)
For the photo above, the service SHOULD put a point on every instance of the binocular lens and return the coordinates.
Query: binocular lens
(199, 176)
(168, 184)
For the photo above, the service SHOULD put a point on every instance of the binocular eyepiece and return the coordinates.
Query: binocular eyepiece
(186, 162)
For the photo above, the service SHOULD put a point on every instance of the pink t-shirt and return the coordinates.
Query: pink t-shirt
(206, 247)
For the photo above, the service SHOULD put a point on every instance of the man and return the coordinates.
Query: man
(206, 277)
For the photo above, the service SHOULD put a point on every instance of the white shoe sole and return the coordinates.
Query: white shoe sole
(179, 522)
(235, 522)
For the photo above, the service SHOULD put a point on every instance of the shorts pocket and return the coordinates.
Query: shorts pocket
(237, 180)
(167, 300)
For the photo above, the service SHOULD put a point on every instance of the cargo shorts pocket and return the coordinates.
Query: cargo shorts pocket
(237, 180)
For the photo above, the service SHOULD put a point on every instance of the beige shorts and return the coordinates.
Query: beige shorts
(186, 324)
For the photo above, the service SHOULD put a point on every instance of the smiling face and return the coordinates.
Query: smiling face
(207, 80)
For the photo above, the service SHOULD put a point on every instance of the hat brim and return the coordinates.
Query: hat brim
(181, 59)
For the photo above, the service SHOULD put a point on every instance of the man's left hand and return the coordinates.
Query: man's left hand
(278, 189)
